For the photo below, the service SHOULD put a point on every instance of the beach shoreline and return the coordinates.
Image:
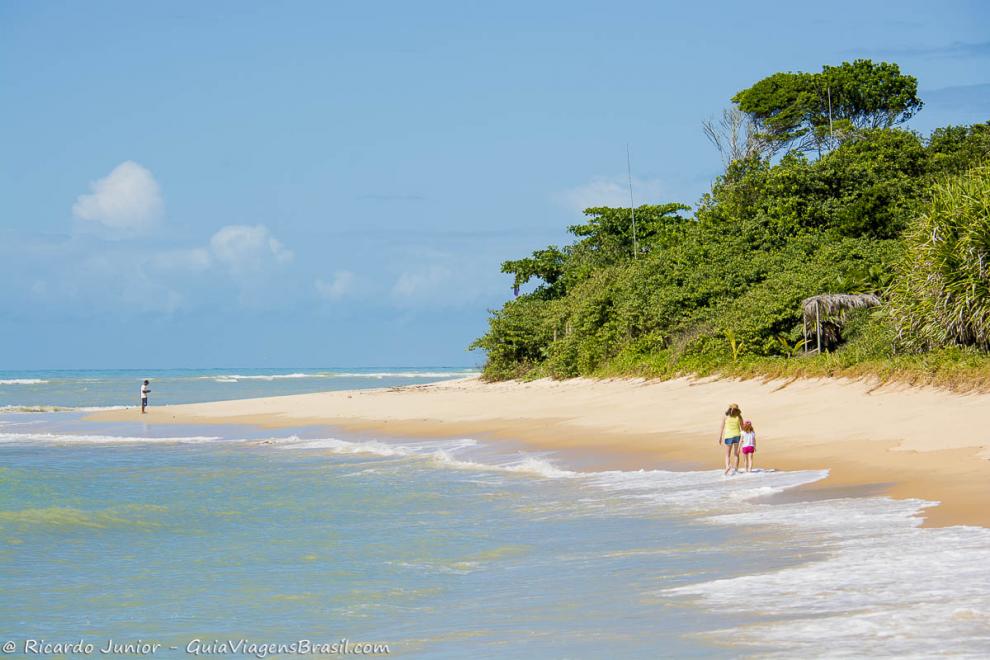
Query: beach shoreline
(894, 440)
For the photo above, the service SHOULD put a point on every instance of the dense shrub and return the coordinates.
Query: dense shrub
(942, 294)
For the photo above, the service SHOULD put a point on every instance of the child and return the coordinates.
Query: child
(748, 442)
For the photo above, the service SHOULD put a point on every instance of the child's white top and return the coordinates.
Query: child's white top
(748, 438)
(144, 391)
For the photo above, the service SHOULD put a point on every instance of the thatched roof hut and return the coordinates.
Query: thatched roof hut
(829, 309)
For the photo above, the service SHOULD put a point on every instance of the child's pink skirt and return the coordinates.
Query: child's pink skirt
(749, 450)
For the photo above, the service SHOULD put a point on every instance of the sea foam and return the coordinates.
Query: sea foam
(377, 375)
(51, 409)
(872, 582)
(443, 453)
(69, 438)
(885, 586)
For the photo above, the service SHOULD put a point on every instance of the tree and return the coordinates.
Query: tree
(781, 107)
(608, 234)
(869, 185)
(735, 136)
(874, 184)
(547, 265)
(955, 149)
(868, 95)
(815, 111)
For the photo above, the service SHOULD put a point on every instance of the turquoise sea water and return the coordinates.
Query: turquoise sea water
(47, 389)
(455, 548)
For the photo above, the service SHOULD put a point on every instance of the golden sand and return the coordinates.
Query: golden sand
(905, 442)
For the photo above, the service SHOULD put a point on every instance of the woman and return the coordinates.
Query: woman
(729, 434)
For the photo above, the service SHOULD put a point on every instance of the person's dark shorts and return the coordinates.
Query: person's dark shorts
(144, 401)
(733, 440)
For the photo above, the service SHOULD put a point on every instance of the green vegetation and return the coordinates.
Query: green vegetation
(942, 294)
(802, 209)
(805, 111)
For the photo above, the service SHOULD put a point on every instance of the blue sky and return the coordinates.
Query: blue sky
(188, 184)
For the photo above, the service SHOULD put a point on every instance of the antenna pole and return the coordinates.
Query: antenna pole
(632, 208)
(831, 135)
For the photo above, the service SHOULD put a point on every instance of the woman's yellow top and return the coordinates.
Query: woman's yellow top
(732, 428)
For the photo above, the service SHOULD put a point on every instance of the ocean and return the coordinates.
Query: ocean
(55, 390)
(194, 538)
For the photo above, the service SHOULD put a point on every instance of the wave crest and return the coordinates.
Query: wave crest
(376, 375)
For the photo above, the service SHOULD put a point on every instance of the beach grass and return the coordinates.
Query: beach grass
(955, 369)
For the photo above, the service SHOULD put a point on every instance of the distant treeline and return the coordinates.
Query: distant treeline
(822, 193)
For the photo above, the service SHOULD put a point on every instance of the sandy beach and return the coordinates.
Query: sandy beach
(894, 440)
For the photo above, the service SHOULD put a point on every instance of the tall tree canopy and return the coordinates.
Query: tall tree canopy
(792, 110)
(606, 238)
(546, 265)
(609, 231)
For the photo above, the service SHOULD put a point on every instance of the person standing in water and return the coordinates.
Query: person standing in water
(729, 435)
(145, 391)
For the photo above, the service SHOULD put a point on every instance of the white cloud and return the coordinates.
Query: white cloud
(126, 201)
(610, 191)
(341, 284)
(426, 283)
(191, 259)
(143, 293)
(244, 248)
(117, 279)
